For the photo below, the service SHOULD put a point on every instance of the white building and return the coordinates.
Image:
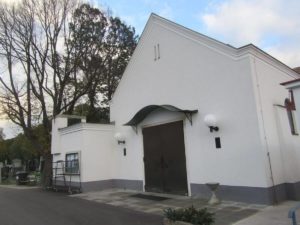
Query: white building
(175, 78)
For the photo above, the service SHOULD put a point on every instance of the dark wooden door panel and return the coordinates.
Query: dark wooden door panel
(164, 156)
(152, 161)
(175, 178)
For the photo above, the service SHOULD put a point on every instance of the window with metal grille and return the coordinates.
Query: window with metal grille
(72, 163)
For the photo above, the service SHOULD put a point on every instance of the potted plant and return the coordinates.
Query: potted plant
(188, 216)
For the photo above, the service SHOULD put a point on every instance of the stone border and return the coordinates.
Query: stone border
(258, 195)
(106, 184)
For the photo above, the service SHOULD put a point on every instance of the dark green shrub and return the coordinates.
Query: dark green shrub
(190, 215)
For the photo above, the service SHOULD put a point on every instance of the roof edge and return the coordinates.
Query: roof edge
(229, 47)
(291, 84)
(69, 116)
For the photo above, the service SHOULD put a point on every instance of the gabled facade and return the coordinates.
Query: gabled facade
(174, 79)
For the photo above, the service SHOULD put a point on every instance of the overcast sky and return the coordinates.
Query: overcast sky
(273, 25)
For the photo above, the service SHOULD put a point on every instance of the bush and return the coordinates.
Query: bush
(190, 215)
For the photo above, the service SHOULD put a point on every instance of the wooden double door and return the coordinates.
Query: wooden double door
(164, 159)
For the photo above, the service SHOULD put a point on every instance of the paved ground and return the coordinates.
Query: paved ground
(226, 213)
(272, 215)
(37, 207)
(32, 206)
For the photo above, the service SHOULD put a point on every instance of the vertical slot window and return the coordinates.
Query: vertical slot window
(290, 108)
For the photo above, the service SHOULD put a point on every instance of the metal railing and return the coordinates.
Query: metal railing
(65, 173)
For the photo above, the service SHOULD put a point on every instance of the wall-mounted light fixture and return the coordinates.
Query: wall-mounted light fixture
(120, 138)
(211, 121)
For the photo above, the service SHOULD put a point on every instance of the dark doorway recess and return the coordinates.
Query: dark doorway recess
(164, 159)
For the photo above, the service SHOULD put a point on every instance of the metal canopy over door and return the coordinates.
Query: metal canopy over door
(164, 159)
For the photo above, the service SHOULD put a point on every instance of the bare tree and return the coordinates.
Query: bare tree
(40, 81)
(54, 55)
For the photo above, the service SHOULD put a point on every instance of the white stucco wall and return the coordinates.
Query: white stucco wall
(192, 75)
(275, 134)
(288, 147)
(57, 123)
(94, 143)
(97, 155)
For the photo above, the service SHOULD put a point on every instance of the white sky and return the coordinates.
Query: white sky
(10, 130)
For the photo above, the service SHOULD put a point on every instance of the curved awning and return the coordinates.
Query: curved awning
(144, 112)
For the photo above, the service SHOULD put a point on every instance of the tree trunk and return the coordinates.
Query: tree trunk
(47, 171)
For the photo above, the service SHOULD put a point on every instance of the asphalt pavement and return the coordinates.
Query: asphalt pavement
(40, 207)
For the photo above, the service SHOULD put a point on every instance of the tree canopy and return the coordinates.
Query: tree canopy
(102, 46)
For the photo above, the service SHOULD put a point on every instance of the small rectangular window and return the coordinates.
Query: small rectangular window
(294, 124)
(72, 163)
(290, 109)
(218, 142)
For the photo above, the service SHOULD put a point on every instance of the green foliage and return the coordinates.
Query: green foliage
(101, 46)
(4, 150)
(81, 109)
(21, 147)
(93, 115)
(190, 215)
(98, 115)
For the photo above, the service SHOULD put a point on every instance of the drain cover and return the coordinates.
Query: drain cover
(149, 197)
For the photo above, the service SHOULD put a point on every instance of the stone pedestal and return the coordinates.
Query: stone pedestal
(213, 186)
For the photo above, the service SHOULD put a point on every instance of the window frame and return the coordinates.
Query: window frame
(72, 166)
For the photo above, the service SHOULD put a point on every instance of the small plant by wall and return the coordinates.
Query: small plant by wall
(189, 215)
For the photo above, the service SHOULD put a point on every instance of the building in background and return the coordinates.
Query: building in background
(191, 110)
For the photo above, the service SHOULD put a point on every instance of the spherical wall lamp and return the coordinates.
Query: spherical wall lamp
(120, 138)
(211, 121)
